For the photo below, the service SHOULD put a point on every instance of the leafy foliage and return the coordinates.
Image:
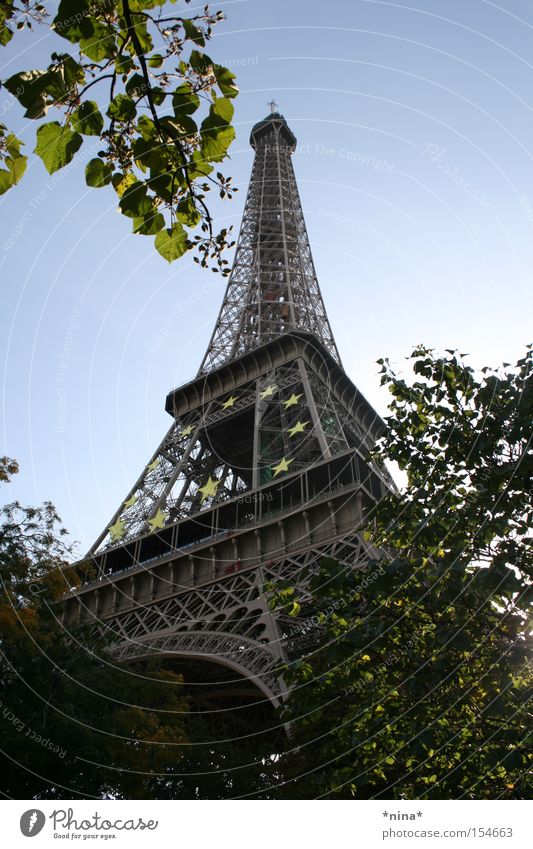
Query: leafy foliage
(72, 723)
(163, 118)
(416, 682)
(12, 159)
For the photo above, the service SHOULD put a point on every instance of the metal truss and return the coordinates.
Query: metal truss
(229, 621)
(285, 421)
(273, 287)
(270, 412)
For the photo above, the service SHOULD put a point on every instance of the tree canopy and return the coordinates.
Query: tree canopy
(416, 681)
(134, 74)
(72, 722)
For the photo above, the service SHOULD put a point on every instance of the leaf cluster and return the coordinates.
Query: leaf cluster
(418, 682)
(163, 116)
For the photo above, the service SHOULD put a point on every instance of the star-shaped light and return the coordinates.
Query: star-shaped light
(292, 400)
(283, 466)
(157, 521)
(267, 393)
(299, 427)
(229, 403)
(154, 464)
(186, 430)
(131, 501)
(117, 530)
(209, 490)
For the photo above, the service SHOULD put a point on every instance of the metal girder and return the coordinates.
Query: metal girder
(273, 286)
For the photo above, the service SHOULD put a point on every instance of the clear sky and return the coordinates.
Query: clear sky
(414, 163)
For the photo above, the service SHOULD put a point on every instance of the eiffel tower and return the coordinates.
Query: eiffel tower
(262, 474)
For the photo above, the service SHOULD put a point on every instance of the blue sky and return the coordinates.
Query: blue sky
(414, 164)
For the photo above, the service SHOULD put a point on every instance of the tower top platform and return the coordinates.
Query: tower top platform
(273, 122)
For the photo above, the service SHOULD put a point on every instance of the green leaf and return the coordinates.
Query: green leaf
(136, 86)
(72, 20)
(124, 63)
(224, 78)
(223, 109)
(193, 33)
(29, 87)
(149, 224)
(155, 60)
(56, 145)
(172, 244)
(185, 101)
(215, 145)
(199, 166)
(121, 182)
(5, 35)
(36, 90)
(15, 164)
(178, 127)
(141, 31)
(122, 108)
(164, 186)
(87, 119)
(146, 127)
(158, 95)
(187, 212)
(64, 74)
(200, 62)
(98, 173)
(100, 44)
(134, 202)
(217, 133)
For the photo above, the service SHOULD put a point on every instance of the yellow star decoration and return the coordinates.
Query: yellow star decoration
(131, 501)
(283, 466)
(209, 489)
(229, 403)
(154, 464)
(292, 400)
(117, 530)
(186, 430)
(267, 393)
(299, 427)
(157, 521)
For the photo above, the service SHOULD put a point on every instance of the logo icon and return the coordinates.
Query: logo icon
(32, 822)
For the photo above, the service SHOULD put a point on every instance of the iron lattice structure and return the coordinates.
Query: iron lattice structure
(273, 287)
(262, 474)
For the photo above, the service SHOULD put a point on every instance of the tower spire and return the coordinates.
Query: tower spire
(273, 287)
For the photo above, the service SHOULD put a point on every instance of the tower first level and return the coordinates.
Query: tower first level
(262, 474)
